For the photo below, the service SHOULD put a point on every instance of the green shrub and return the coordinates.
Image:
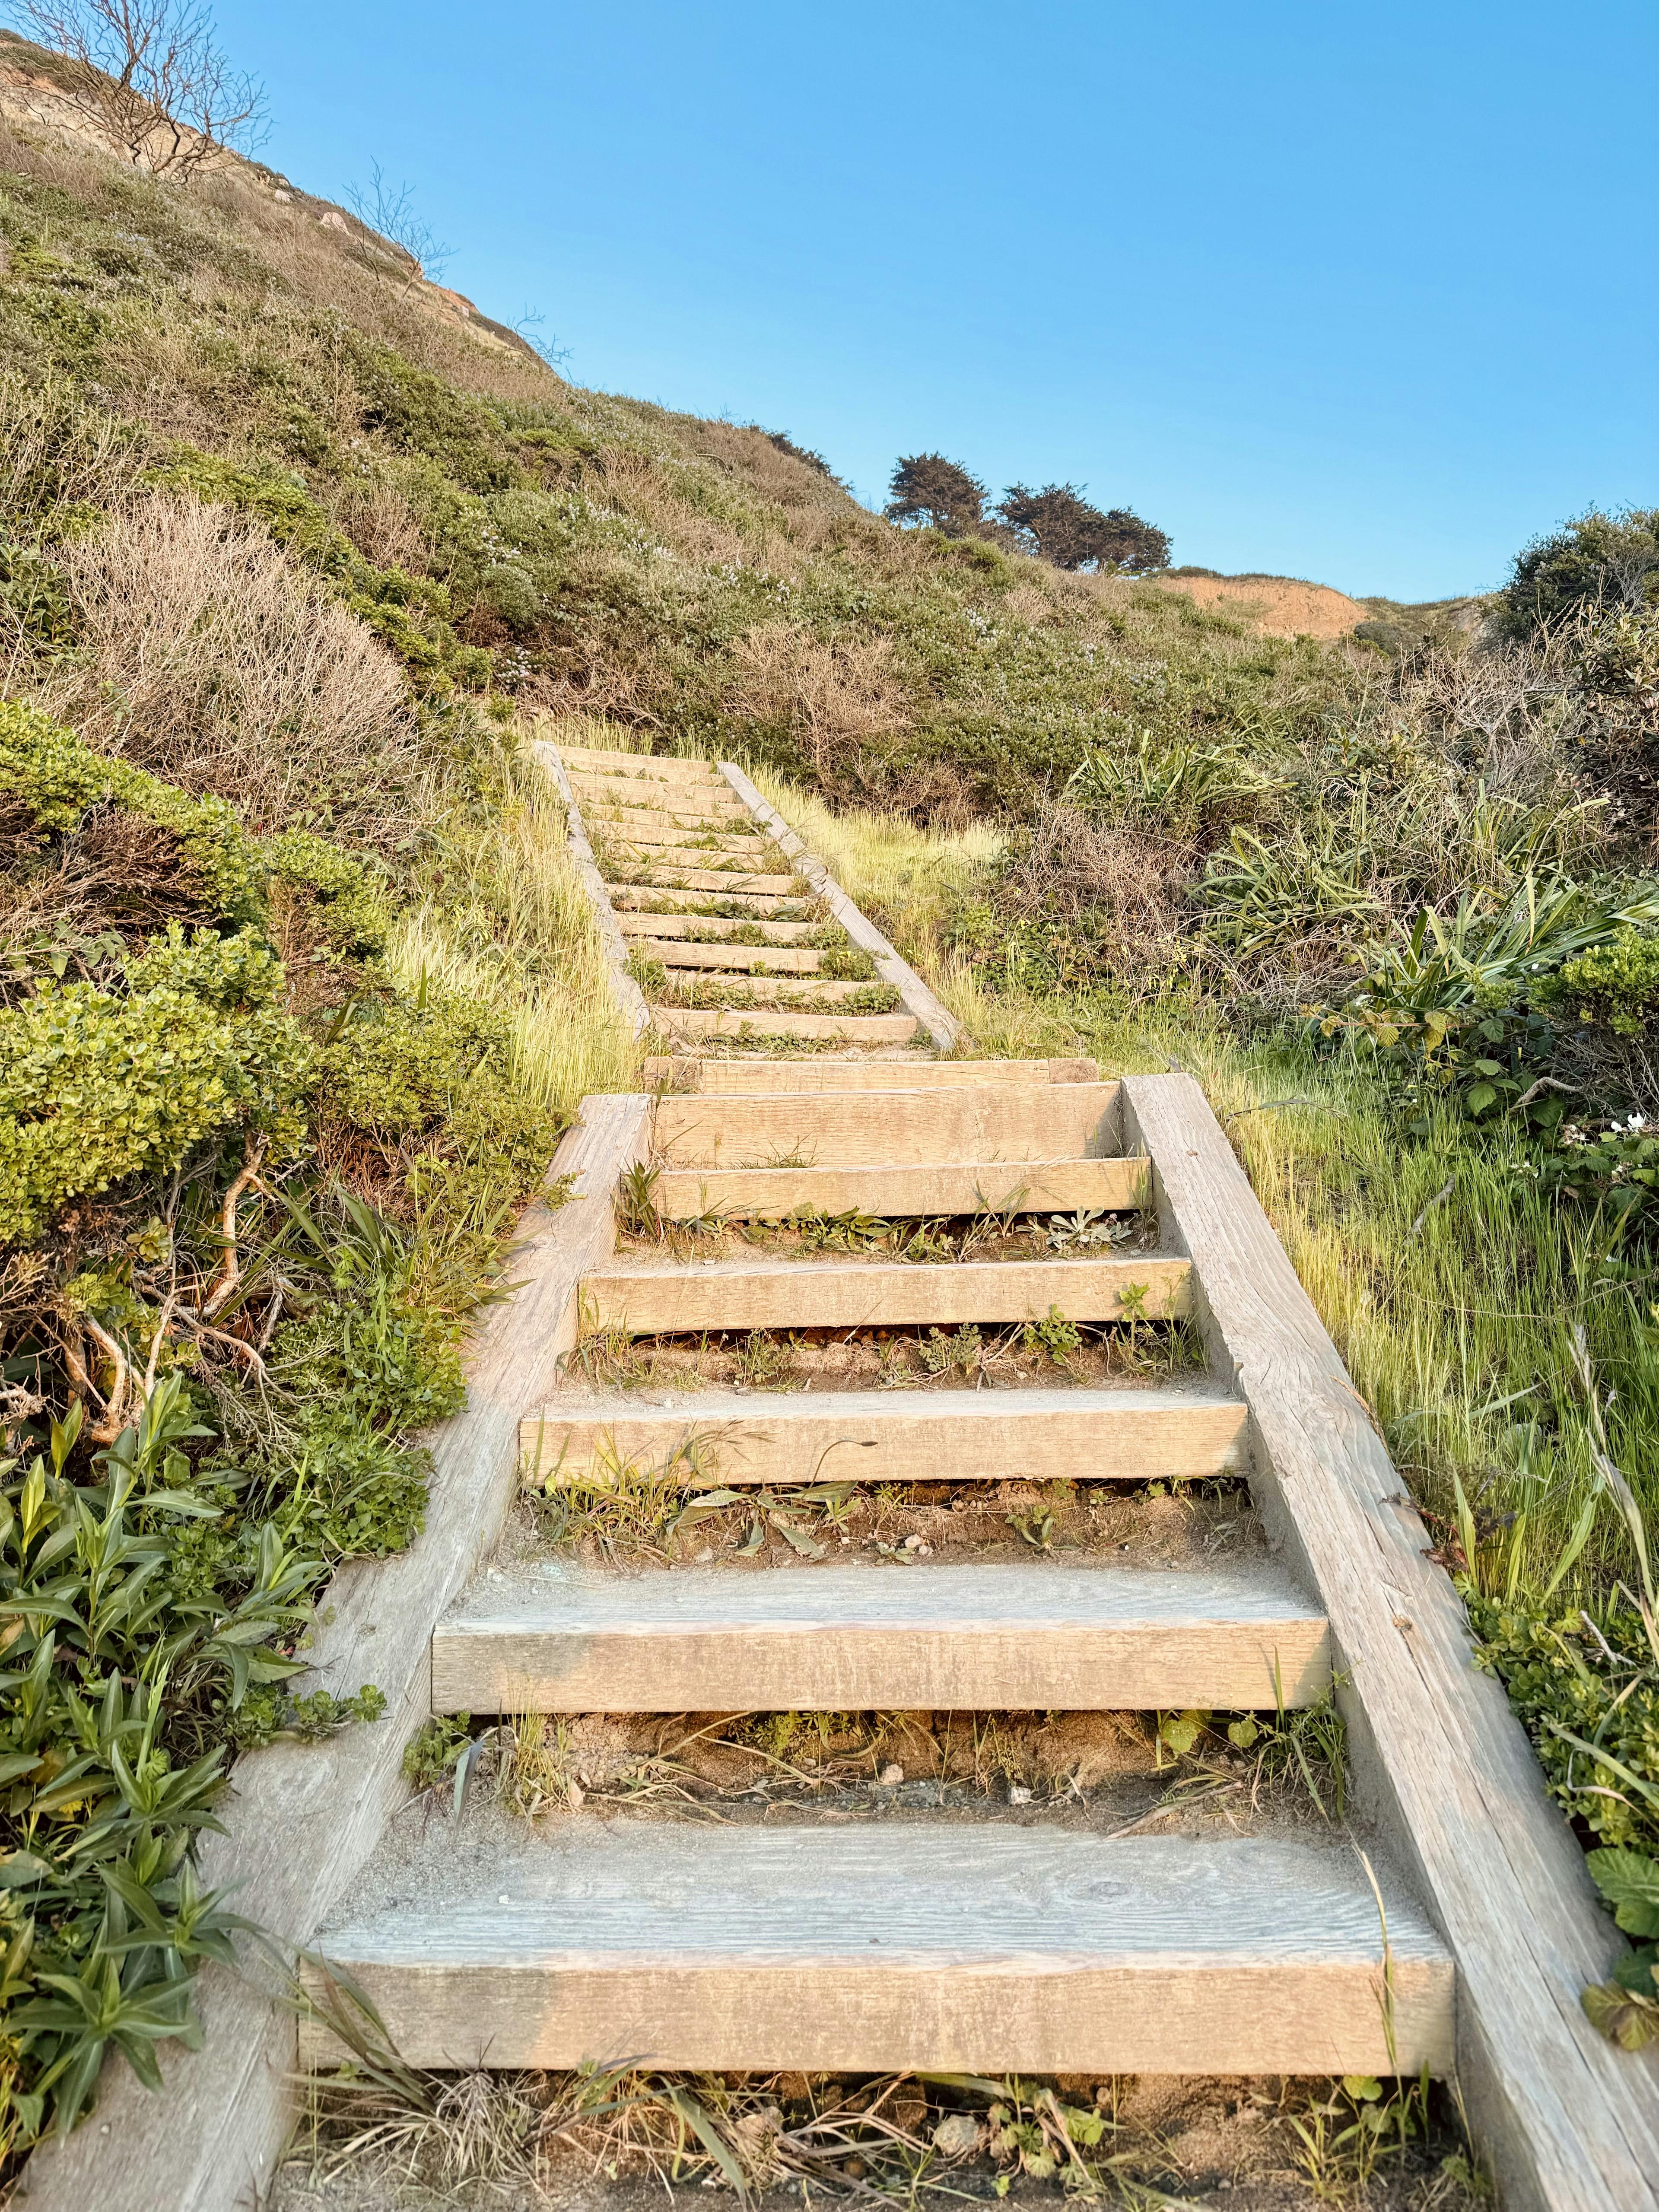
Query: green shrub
(98, 1085)
(1613, 986)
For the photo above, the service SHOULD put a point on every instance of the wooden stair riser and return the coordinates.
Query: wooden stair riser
(690, 927)
(898, 1193)
(1000, 1122)
(804, 994)
(640, 898)
(957, 1949)
(732, 959)
(765, 1022)
(1213, 1667)
(791, 1078)
(957, 1436)
(681, 851)
(855, 1295)
(701, 879)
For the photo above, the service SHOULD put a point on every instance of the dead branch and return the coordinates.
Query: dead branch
(230, 1267)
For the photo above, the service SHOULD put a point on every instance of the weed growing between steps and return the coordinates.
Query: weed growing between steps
(1054, 1352)
(530, 2140)
(806, 1233)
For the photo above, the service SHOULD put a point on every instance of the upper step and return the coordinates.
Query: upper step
(1017, 1637)
(662, 877)
(740, 1022)
(915, 1436)
(993, 1122)
(972, 1947)
(773, 1077)
(647, 1298)
(715, 928)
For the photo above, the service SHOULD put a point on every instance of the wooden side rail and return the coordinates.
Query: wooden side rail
(1570, 2123)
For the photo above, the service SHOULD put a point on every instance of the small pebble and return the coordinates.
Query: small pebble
(889, 1775)
(1018, 1795)
(503, 1900)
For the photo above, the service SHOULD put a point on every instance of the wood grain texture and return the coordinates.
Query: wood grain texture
(768, 1078)
(725, 880)
(767, 1021)
(648, 1300)
(1570, 2122)
(805, 995)
(971, 1947)
(932, 1639)
(643, 897)
(629, 996)
(967, 1187)
(719, 926)
(721, 1437)
(733, 841)
(628, 815)
(935, 1017)
(304, 1818)
(775, 959)
(913, 1127)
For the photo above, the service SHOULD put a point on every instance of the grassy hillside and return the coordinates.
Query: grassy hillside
(297, 990)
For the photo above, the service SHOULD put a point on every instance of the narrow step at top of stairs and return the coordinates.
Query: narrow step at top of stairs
(1015, 1636)
(923, 1125)
(971, 1946)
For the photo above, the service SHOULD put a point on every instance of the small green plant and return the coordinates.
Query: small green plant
(1091, 1229)
(940, 1354)
(649, 972)
(765, 1362)
(431, 1753)
(1626, 2008)
(1060, 1340)
(637, 1211)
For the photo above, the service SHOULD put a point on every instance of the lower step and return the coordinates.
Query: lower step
(895, 1436)
(1019, 1637)
(971, 1948)
(736, 1077)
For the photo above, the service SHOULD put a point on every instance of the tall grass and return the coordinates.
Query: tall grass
(502, 917)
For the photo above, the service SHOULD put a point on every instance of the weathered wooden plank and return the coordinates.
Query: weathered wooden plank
(806, 995)
(930, 1011)
(1017, 1637)
(979, 1946)
(835, 1128)
(1071, 1435)
(1570, 2122)
(965, 1186)
(629, 996)
(714, 926)
(728, 881)
(775, 959)
(669, 768)
(740, 1078)
(304, 1818)
(647, 897)
(648, 1300)
(765, 1022)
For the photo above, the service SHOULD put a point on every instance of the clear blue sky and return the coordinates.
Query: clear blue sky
(1362, 294)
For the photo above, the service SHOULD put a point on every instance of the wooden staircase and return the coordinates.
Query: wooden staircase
(1449, 1930)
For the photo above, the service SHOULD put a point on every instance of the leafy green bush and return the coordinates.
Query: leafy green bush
(1613, 986)
(1594, 560)
(1589, 1696)
(1626, 2008)
(97, 1085)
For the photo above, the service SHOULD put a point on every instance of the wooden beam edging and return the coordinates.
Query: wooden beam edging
(581, 851)
(1569, 2122)
(941, 1024)
(302, 1819)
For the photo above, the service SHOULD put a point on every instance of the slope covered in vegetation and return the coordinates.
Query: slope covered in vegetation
(297, 991)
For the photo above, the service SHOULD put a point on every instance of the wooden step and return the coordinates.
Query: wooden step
(901, 1194)
(978, 1945)
(777, 959)
(995, 1122)
(730, 881)
(716, 1437)
(657, 797)
(717, 928)
(707, 838)
(621, 812)
(765, 1022)
(1019, 1637)
(647, 1298)
(760, 905)
(669, 767)
(805, 995)
(772, 1077)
